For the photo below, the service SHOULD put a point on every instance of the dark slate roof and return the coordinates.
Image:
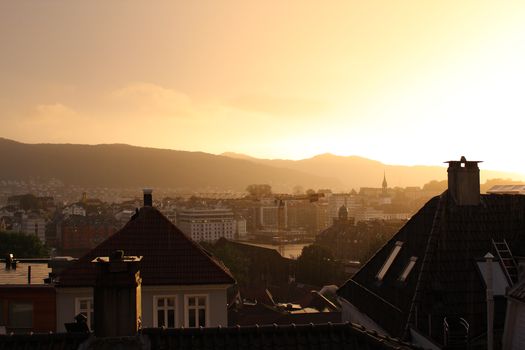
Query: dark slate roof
(64, 341)
(327, 336)
(448, 240)
(169, 256)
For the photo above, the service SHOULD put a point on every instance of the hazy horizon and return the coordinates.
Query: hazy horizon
(404, 83)
(239, 155)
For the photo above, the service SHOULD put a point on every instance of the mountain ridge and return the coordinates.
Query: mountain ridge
(125, 166)
(356, 171)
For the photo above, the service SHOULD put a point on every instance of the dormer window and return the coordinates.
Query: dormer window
(403, 277)
(381, 274)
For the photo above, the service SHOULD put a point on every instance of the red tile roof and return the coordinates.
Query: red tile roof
(169, 256)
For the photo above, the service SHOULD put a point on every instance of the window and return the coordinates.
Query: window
(84, 306)
(381, 274)
(20, 315)
(164, 314)
(196, 312)
(407, 269)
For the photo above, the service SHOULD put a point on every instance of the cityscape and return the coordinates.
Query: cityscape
(277, 175)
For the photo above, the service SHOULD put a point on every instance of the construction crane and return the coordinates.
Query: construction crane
(280, 201)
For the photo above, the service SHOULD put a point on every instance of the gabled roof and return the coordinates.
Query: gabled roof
(447, 239)
(169, 256)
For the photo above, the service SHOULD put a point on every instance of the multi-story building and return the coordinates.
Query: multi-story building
(207, 224)
(301, 214)
(323, 220)
(240, 225)
(78, 234)
(34, 224)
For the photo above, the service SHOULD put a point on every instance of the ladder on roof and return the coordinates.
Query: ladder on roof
(507, 261)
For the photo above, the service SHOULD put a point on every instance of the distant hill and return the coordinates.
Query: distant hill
(124, 166)
(355, 172)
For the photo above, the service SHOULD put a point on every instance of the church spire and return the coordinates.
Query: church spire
(385, 185)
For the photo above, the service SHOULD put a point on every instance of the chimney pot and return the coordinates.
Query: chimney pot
(148, 197)
(117, 255)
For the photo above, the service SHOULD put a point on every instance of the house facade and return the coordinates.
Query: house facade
(27, 304)
(182, 285)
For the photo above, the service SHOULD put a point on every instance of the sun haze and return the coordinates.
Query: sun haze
(405, 82)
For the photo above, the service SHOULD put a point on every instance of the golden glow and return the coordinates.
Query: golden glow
(405, 82)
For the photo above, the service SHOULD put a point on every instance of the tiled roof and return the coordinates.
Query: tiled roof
(64, 341)
(447, 240)
(169, 256)
(326, 336)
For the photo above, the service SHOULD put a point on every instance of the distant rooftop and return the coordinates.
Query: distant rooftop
(39, 271)
(507, 189)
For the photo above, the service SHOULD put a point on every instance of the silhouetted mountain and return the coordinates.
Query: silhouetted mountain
(124, 166)
(355, 172)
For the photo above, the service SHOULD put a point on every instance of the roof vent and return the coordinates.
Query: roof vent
(463, 181)
(148, 198)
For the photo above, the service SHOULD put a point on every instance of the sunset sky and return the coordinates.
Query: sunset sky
(403, 82)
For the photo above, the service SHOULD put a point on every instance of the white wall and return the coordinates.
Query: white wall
(66, 304)
(217, 309)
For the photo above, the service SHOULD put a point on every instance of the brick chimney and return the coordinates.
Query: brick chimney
(148, 198)
(117, 295)
(463, 181)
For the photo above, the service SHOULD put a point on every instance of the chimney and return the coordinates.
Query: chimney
(463, 181)
(117, 295)
(148, 198)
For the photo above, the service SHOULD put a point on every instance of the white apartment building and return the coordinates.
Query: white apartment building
(74, 209)
(207, 224)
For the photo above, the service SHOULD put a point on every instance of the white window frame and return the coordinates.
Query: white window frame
(384, 269)
(197, 307)
(90, 312)
(165, 308)
(406, 272)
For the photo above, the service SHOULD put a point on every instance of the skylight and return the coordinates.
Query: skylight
(408, 268)
(381, 274)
